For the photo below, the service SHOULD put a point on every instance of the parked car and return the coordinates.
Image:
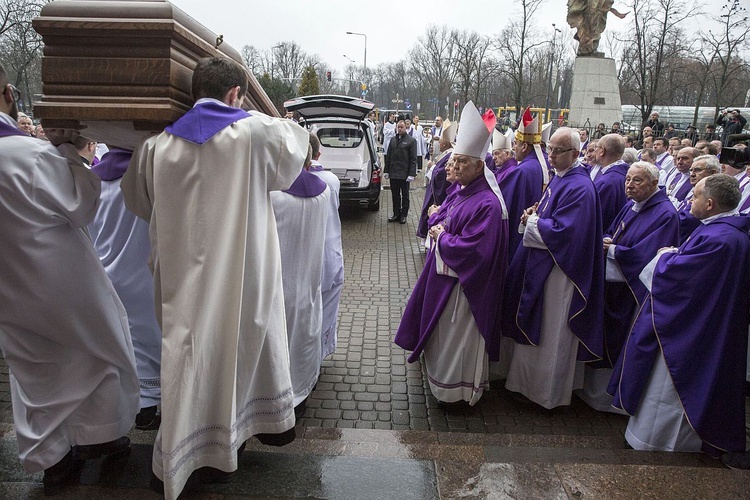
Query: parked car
(347, 144)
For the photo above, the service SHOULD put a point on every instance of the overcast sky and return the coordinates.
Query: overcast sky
(392, 28)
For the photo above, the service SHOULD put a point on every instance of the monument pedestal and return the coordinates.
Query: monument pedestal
(595, 97)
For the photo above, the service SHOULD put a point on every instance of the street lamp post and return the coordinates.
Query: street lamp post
(549, 76)
(365, 60)
(273, 57)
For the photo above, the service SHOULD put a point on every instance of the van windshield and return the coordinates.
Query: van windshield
(340, 137)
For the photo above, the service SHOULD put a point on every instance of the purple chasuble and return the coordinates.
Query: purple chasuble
(701, 332)
(474, 246)
(306, 185)
(113, 165)
(503, 170)
(570, 225)
(521, 188)
(637, 237)
(451, 191)
(434, 194)
(204, 121)
(611, 188)
(7, 130)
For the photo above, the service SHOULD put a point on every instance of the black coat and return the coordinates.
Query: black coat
(401, 160)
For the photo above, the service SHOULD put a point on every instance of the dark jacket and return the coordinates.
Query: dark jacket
(730, 126)
(401, 160)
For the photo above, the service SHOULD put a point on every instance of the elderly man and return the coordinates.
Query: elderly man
(645, 224)
(682, 372)
(554, 297)
(222, 314)
(524, 184)
(401, 168)
(610, 181)
(452, 314)
(647, 132)
(677, 182)
(702, 167)
(64, 331)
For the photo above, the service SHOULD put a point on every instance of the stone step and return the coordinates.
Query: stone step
(370, 464)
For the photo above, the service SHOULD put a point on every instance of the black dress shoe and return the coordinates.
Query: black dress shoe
(393, 218)
(148, 419)
(280, 439)
(402, 220)
(63, 473)
(119, 446)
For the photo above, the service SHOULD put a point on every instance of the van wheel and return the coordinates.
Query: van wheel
(374, 207)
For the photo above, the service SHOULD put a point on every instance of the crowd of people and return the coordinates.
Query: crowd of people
(206, 266)
(572, 265)
(190, 286)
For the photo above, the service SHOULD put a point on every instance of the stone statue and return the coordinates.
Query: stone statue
(589, 17)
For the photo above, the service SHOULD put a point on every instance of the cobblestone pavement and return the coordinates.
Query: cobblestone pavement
(367, 383)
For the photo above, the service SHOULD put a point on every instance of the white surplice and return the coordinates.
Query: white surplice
(660, 423)
(218, 288)
(122, 243)
(63, 330)
(548, 373)
(333, 266)
(301, 225)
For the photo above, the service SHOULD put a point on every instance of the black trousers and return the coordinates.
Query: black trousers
(400, 197)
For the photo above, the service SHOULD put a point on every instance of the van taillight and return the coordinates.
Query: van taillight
(376, 176)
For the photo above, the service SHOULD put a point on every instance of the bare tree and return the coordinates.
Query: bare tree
(654, 43)
(21, 46)
(472, 53)
(515, 42)
(433, 58)
(725, 65)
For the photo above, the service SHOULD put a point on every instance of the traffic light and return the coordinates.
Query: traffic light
(328, 76)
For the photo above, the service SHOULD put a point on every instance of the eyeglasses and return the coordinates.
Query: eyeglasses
(697, 170)
(14, 92)
(558, 151)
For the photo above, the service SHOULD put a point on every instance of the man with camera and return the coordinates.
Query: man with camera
(732, 122)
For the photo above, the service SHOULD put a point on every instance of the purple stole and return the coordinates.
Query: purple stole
(571, 227)
(610, 186)
(521, 188)
(683, 190)
(702, 333)
(637, 237)
(204, 121)
(113, 164)
(306, 185)
(434, 194)
(659, 162)
(473, 245)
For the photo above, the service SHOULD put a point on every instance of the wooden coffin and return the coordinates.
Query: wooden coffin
(121, 70)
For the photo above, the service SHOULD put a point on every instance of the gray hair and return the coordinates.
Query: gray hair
(712, 163)
(630, 155)
(571, 136)
(650, 168)
(724, 190)
(614, 144)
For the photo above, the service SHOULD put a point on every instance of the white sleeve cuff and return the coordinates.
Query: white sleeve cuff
(531, 237)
